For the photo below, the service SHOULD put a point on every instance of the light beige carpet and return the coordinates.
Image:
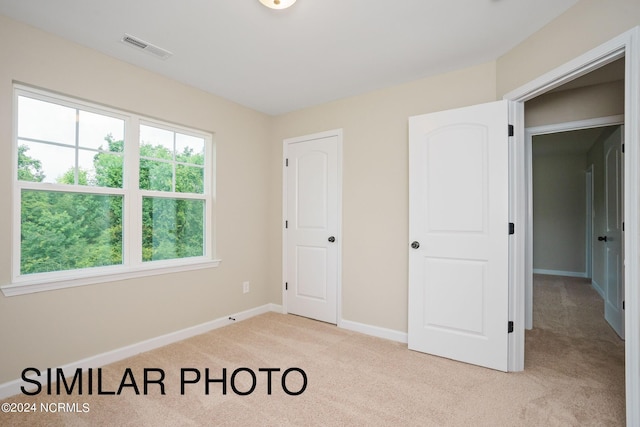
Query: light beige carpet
(574, 376)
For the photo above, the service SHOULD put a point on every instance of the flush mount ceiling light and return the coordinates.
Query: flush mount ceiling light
(277, 4)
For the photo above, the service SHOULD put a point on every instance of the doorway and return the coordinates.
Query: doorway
(577, 210)
(626, 45)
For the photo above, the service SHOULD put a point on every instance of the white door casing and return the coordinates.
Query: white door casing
(312, 238)
(613, 237)
(459, 217)
(627, 45)
(589, 212)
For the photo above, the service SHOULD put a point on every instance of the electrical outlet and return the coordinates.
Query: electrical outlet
(245, 287)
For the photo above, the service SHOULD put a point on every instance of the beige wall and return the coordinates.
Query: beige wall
(375, 211)
(583, 103)
(559, 215)
(583, 27)
(375, 185)
(75, 323)
(53, 328)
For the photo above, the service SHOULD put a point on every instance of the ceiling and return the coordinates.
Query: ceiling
(276, 61)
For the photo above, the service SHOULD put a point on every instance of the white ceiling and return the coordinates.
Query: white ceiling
(316, 51)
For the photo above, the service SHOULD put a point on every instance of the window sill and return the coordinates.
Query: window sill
(28, 285)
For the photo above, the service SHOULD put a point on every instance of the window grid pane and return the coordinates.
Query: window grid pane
(171, 161)
(65, 231)
(62, 145)
(56, 123)
(172, 228)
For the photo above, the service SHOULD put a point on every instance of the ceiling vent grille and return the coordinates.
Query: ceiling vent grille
(145, 46)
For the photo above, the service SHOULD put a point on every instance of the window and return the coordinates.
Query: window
(172, 185)
(102, 194)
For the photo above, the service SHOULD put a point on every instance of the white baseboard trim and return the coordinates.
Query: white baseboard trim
(12, 388)
(560, 273)
(375, 331)
(598, 288)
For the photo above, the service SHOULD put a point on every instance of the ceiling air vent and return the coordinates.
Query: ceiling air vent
(147, 47)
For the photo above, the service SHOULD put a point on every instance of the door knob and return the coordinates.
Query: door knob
(602, 238)
(415, 245)
(332, 239)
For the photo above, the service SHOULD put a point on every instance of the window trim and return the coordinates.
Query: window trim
(132, 265)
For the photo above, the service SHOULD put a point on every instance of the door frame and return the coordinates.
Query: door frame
(588, 232)
(528, 141)
(285, 145)
(626, 45)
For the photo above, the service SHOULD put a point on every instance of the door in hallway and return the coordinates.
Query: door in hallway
(613, 239)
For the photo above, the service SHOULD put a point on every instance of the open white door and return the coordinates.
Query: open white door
(613, 239)
(312, 226)
(459, 228)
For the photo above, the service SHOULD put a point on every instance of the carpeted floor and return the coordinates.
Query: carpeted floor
(574, 376)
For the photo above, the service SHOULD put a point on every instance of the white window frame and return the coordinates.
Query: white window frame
(132, 265)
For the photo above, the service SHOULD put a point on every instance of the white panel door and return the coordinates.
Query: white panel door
(458, 225)
(312, 228)
(613, 238)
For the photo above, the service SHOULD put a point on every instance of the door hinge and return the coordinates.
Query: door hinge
(510, 327)
(286, 224)
(511, 130)
(512, 228)
(623, 305)
(286, 162)
(623, 148)
(622, 225)
(286, 286)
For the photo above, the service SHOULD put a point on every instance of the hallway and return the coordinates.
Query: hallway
(576, 349)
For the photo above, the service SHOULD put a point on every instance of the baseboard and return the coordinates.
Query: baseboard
(597, 287)
(375, 331)
(560, 273)
(12, 388)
